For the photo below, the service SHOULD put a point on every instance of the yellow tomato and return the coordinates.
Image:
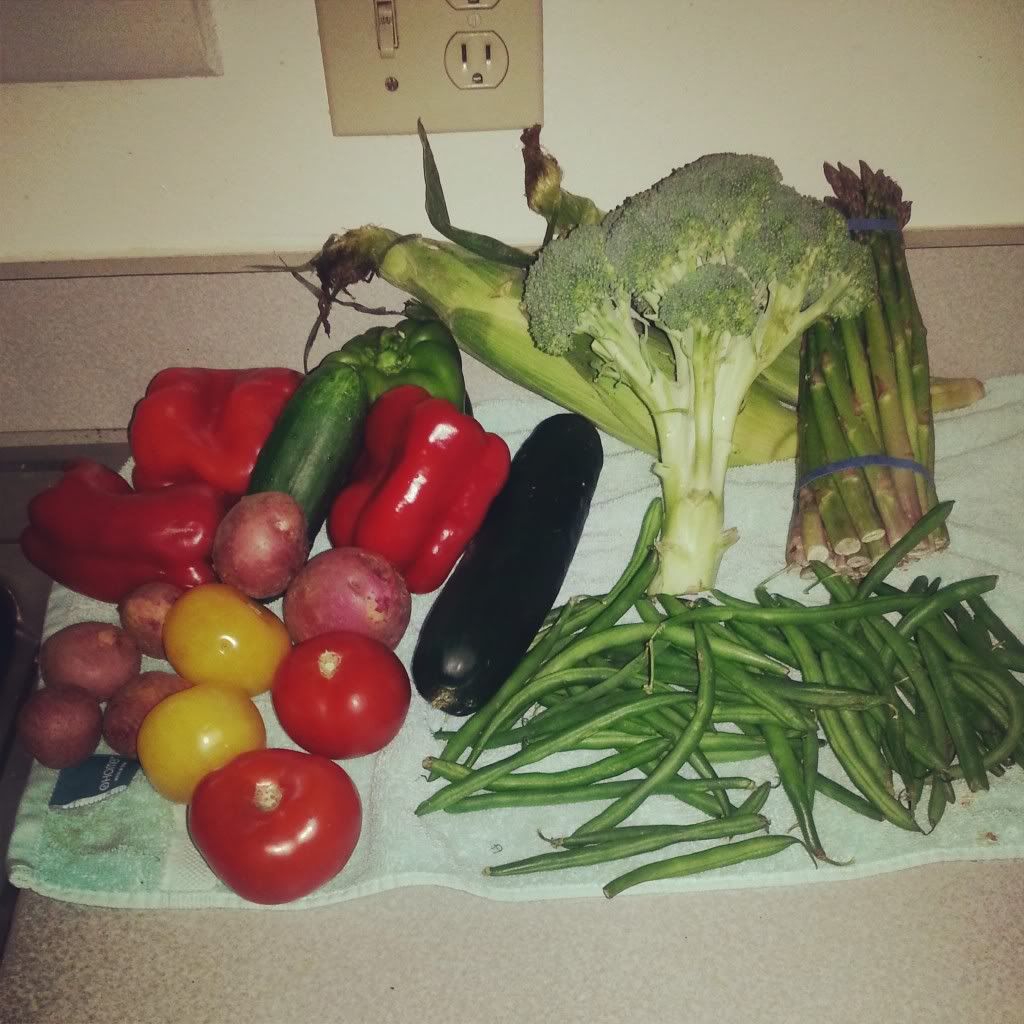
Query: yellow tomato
(215, 634)
(194, 732)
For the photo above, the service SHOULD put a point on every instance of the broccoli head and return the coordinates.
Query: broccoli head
(573, 289)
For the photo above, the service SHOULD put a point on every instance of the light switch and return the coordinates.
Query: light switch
(387, 27)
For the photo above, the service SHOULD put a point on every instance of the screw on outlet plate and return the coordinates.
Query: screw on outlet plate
(391, 83)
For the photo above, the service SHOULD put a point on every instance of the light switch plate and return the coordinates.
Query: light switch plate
(374, 89)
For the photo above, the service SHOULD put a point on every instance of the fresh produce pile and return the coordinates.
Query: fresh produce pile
(676, 322)
(235, 474)
(904, 707)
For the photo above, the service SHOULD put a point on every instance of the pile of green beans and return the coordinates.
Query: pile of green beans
(910, 689)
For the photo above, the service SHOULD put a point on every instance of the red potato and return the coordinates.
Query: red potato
(97, 656)
(349, 589)
(130, 705)
(60, 725)
(143, 612)
(260, 544)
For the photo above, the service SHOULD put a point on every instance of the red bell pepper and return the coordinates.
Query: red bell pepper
(421, 486)
(206, 426)
(91, 532)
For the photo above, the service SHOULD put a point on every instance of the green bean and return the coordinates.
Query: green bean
(635, 576)
(977, 637)
(995, 625)
(858, 608)
(1009, 659)
(596, 771)
(625, 675)
(579, 611)
(936, 802)
(757, 799)
(578, 603)
(809, 753)
(971, 632)
(647, 610)
(933, 518)
(792, 778)
(688, 791)
(622, 848)
(682, 637)
(534, 752)
(749, 687)
(841, 795)
(475, 724)
(915, 791)
(825, 697)
(1011, 710)
(543, 683)
(689, 739)
(867, 752)
(872, 751)
(765, 639)
(839, 739)
(930, 607)
(960, 729)
(903, 652)
(610, 739)
(725, 712)
(620, 601)
(904, 734)
(860, 776)
(682, 667)
(722, 856)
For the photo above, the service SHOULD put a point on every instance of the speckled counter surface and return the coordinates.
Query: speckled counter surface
(937, 944)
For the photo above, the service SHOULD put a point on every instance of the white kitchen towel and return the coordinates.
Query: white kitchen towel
(133, 850)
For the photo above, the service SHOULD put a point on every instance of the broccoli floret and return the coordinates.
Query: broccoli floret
(572, 289)
(732, 266)
(716, 298)
(694, 215)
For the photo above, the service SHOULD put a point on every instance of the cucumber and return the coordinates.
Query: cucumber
(315, 440)
(486, 615)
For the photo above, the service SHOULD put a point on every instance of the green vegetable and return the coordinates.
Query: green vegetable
(868, 396)
(413, 351)
(729, 265)
(703, 860)
(630, 846)
(315, 441)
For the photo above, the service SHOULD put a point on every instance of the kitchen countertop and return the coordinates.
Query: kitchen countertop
(940, 943)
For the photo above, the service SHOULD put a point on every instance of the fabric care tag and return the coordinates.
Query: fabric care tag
(96, 778)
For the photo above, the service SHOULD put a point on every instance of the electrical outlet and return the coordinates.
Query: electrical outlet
(458, 65)
(476, 60)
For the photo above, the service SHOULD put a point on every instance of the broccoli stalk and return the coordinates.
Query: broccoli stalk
(731, 266)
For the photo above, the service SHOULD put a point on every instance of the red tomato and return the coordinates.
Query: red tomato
(341, 694)
(275, 825)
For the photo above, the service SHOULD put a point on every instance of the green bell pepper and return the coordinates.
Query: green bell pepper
(413, 351)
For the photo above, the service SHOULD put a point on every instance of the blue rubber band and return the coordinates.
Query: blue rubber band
(859, 461)
(872, 224)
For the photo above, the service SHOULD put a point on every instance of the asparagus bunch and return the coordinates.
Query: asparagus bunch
(865, 438)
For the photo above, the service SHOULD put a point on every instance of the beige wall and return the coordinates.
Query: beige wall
(77, 353)
(931, 90)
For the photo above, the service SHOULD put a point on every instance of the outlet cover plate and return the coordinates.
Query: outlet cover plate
(372, 94)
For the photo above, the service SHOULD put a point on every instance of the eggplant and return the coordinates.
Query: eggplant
(486, 615)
